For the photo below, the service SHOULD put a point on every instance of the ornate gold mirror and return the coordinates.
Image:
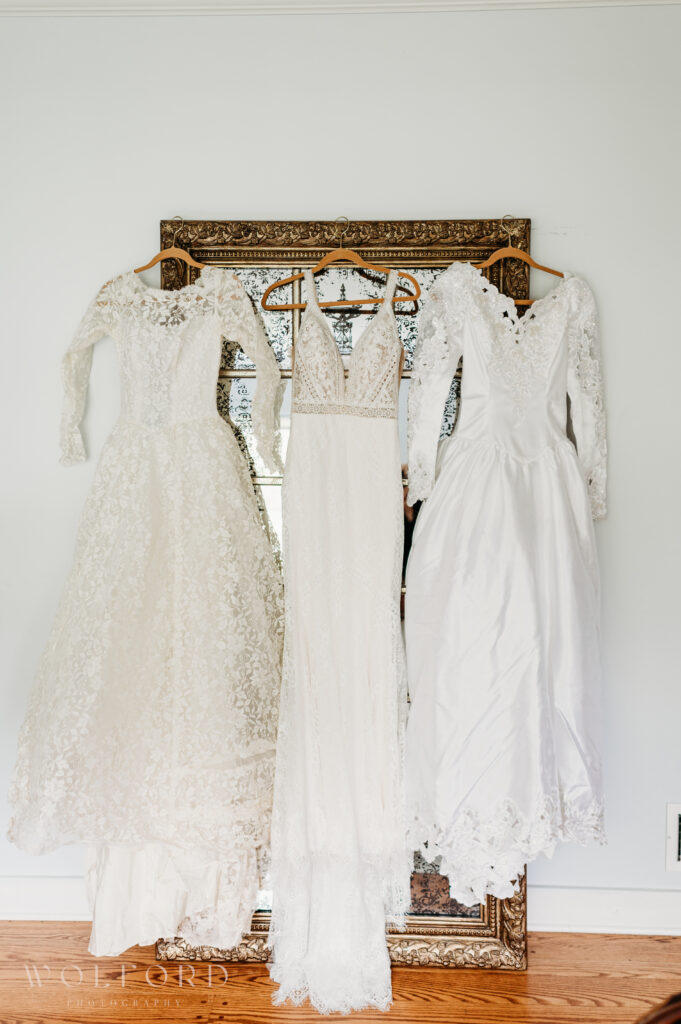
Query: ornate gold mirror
(439, 930)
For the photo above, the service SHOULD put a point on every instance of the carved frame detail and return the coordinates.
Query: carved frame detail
(399, 243)
(497, 940)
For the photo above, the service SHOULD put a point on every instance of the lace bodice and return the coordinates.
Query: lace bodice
(319, 382)
(169, 345)
(516, 375)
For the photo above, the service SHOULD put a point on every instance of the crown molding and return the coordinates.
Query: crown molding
(183, 8)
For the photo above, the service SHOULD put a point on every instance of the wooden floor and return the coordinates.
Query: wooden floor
(46, 975)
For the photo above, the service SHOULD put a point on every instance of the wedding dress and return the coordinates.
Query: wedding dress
(339, 860)
(151, 730)
(502, 606)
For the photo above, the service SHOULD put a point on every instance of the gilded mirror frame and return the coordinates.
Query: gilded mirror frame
(492, 934)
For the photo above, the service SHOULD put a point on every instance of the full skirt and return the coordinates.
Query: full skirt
(502, 610)
(151, 730)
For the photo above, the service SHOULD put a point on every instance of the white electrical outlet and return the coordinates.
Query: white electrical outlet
(673, 837)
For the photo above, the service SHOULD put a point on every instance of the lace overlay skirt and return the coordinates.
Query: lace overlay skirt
(151, 729)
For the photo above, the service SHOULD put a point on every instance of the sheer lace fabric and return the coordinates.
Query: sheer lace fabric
(151, 730)
(339, 860)
(158, 387)
(502, 607)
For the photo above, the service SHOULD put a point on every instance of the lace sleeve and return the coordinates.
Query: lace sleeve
(585, 388)
(436, 357)
(76, 366)
(241, 324)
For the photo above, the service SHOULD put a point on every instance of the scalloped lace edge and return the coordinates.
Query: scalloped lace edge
(485, 855)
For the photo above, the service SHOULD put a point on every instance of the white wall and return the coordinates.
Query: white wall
(567, 116)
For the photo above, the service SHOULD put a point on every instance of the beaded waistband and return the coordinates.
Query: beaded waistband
(335, 409)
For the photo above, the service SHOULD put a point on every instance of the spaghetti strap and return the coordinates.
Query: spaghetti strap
(390, 286)
(311, 293)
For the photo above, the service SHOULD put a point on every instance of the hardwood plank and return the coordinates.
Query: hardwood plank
(572, 979)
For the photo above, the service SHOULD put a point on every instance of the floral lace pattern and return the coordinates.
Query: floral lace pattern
(437, 353)
(520, 356)
(153, 717)
(215, 304)
(319, 379)
(585, 387)
(484, 855)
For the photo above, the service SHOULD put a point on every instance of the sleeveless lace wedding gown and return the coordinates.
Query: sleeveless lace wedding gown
(502, 608)
(339, 860)
(151, 731)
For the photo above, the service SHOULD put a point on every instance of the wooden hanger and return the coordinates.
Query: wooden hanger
(172, 252)
(342, 257)
(518, 254)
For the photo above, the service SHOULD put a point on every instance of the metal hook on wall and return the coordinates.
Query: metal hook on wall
(343, 223)
(178, 228)
(510, 231)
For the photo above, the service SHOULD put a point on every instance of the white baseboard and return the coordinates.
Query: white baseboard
(549, 908)
(554, 908)
(43, 898)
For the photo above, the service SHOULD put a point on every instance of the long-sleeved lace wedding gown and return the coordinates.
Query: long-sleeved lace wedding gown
(502, 607)
(151, 731)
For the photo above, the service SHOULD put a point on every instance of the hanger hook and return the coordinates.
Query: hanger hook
(343, 226)
(505, 224)
(178, 228)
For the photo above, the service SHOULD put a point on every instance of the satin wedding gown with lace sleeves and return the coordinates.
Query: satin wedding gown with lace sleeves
(502, 608)
(339, 859)
(151, 731)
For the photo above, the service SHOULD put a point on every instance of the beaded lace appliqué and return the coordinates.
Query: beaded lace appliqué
(319, 382)
(520, 356)
(345, 409)
(587, 395)
(490, 851)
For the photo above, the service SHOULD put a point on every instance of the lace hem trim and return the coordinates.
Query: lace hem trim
(340, 409)
(485, 856)
(345, 967)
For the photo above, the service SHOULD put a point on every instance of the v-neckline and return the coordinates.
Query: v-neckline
(331, 337)
(508, 315)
